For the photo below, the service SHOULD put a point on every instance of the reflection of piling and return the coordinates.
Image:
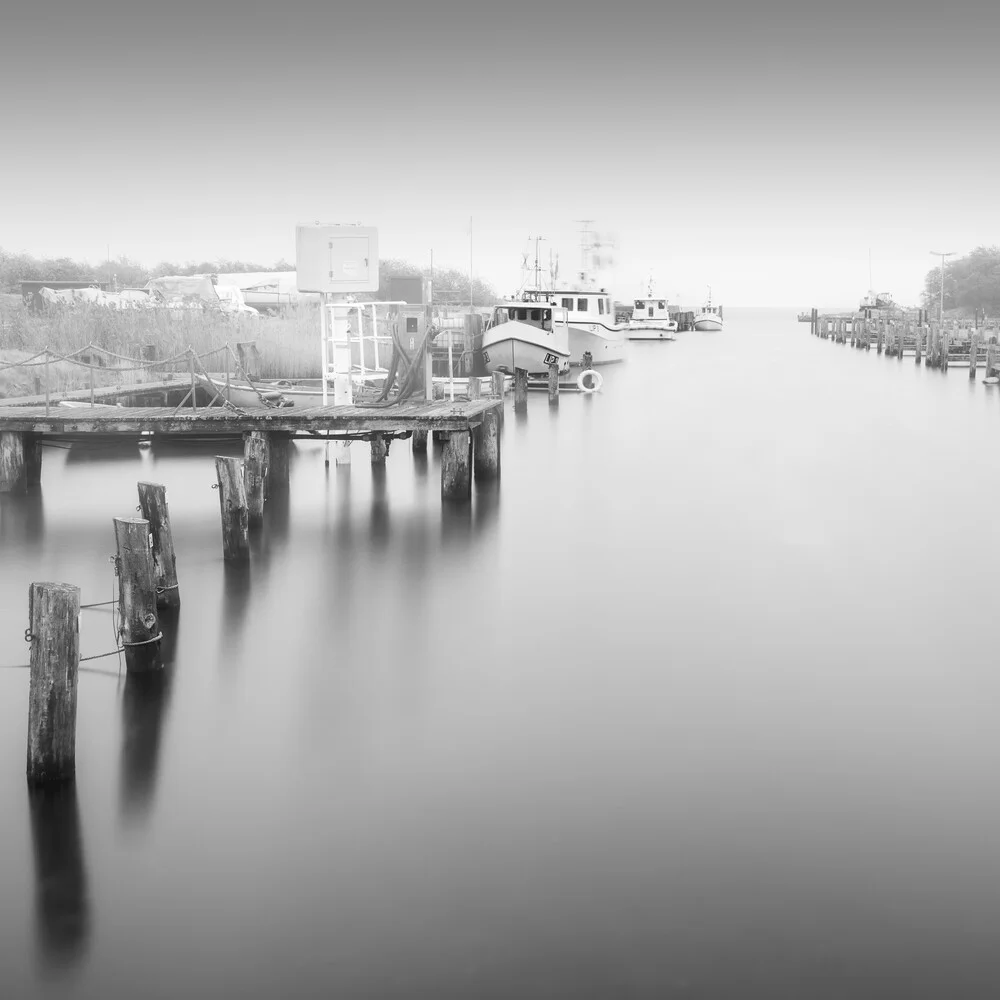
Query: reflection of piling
(143, 703)
(137, 594)
(456, 466)
(255, 465)
(153, 505)
(233, 505)
(54, 632)
(520, 389)
(278, 453)
(61, 906)
(419, 442)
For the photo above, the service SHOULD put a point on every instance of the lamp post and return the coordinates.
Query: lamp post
(938, 253)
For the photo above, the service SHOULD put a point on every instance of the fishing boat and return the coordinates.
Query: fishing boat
(526, 335)
(651, 318)
(710, 317)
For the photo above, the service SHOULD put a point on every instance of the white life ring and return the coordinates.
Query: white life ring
(597, 381)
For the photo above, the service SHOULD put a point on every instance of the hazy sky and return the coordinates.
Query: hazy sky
(758, 146)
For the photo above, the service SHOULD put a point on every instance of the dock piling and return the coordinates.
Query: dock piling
(973, 354)
(456, 466)
(153, 505)
(486, 447)
(380, 448)
(279, 448)
(233, 505)
(520, 389)
(553, 384)
(140, 625)
(255, 466)
(54, 632)
(418, 443)
(13, 468)
(475, 387)
(498, 384)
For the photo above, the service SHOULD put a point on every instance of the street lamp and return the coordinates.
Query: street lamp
(937, 253)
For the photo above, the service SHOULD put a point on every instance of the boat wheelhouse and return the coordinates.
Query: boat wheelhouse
(591, 317)
(651, 319)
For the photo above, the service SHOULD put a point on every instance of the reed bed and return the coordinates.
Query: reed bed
(288, 344)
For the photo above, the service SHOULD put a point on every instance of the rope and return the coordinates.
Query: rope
(141, 642)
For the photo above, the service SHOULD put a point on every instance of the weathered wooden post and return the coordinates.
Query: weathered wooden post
(54, 632)
(486, 450)
(945, 349)
(814, 323)
(153, 505)
(233, 504)
(554, 384)
(918, 333)
(520, 389)
(140, 625)
(880, 341)
(279, 446)
(456, 466)
(475, 387)
(249, 358)
(380, 448)
(989, 360)
(418, 442)
(499, 380)
(973, 354)
(255, 464)
(13, 469)
(32, 445)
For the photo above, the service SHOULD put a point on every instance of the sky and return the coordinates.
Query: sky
(777, 151)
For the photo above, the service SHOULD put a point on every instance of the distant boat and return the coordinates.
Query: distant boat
(876, 305)
(651, 319)
(710, 317)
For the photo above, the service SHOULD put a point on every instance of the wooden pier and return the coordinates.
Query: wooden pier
(465, 423)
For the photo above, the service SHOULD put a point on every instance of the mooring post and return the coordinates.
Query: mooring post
(918, 334)
(418, 443)
(54, 633)
(989, 360)
(380, 448)
(880, 342)
(279, 446)
(456, 466)
(233, 504)
(973, 354)
(475, 387)
(554, 384)
(499, 380)
(255, 461)
(139, 623)
(153, 505)
(945, 348)
(13, 469)
(520, 389)
(486, 447)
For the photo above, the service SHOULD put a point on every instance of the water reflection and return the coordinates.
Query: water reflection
(62, 909)
(144, 708)
(379, 522)
(236, 599)
(95, 448)
(22, 522)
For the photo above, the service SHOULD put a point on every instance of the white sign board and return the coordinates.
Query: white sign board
(336, 258)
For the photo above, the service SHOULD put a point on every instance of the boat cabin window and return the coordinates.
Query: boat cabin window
(536, 315)
(640, 304)
(662, 304)
(567, 303)
(607, 306)
(581, 305)
(600, 307)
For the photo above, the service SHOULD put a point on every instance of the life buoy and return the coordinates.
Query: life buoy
(596, 381)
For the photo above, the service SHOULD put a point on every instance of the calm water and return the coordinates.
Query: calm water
(703, 702)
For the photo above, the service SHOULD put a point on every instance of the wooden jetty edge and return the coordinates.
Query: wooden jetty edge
(22, 428)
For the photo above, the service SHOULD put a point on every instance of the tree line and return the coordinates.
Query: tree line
(971, 283)
(450, 287)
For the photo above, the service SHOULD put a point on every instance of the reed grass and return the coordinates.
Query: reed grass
(288, 344)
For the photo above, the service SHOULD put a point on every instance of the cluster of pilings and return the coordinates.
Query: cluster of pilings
(939, 345)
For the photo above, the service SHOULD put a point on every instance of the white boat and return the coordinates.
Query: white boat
(710, 317)
(651, 319)
(526, 335)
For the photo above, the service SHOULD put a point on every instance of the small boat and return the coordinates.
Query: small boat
(651, 319)
(526, 335)
(710, 317)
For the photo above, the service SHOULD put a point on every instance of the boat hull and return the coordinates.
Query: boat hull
(707, 323)
(652, 330)
(606, 345)
(512, 345)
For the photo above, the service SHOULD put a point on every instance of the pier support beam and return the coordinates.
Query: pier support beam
(418, 443)
(13, 468)
(255, 464)
(456, 466)
(140, 624)
(153, 505)
(520, 389)
(486, 447)
(233, 505)
(54, 630)
(279, 448)
(32, 444)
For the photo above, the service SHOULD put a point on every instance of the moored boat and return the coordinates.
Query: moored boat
(710, 317)
(526, 335)
(651, 319)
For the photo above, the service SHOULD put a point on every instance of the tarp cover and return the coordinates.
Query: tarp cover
(181, 290)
